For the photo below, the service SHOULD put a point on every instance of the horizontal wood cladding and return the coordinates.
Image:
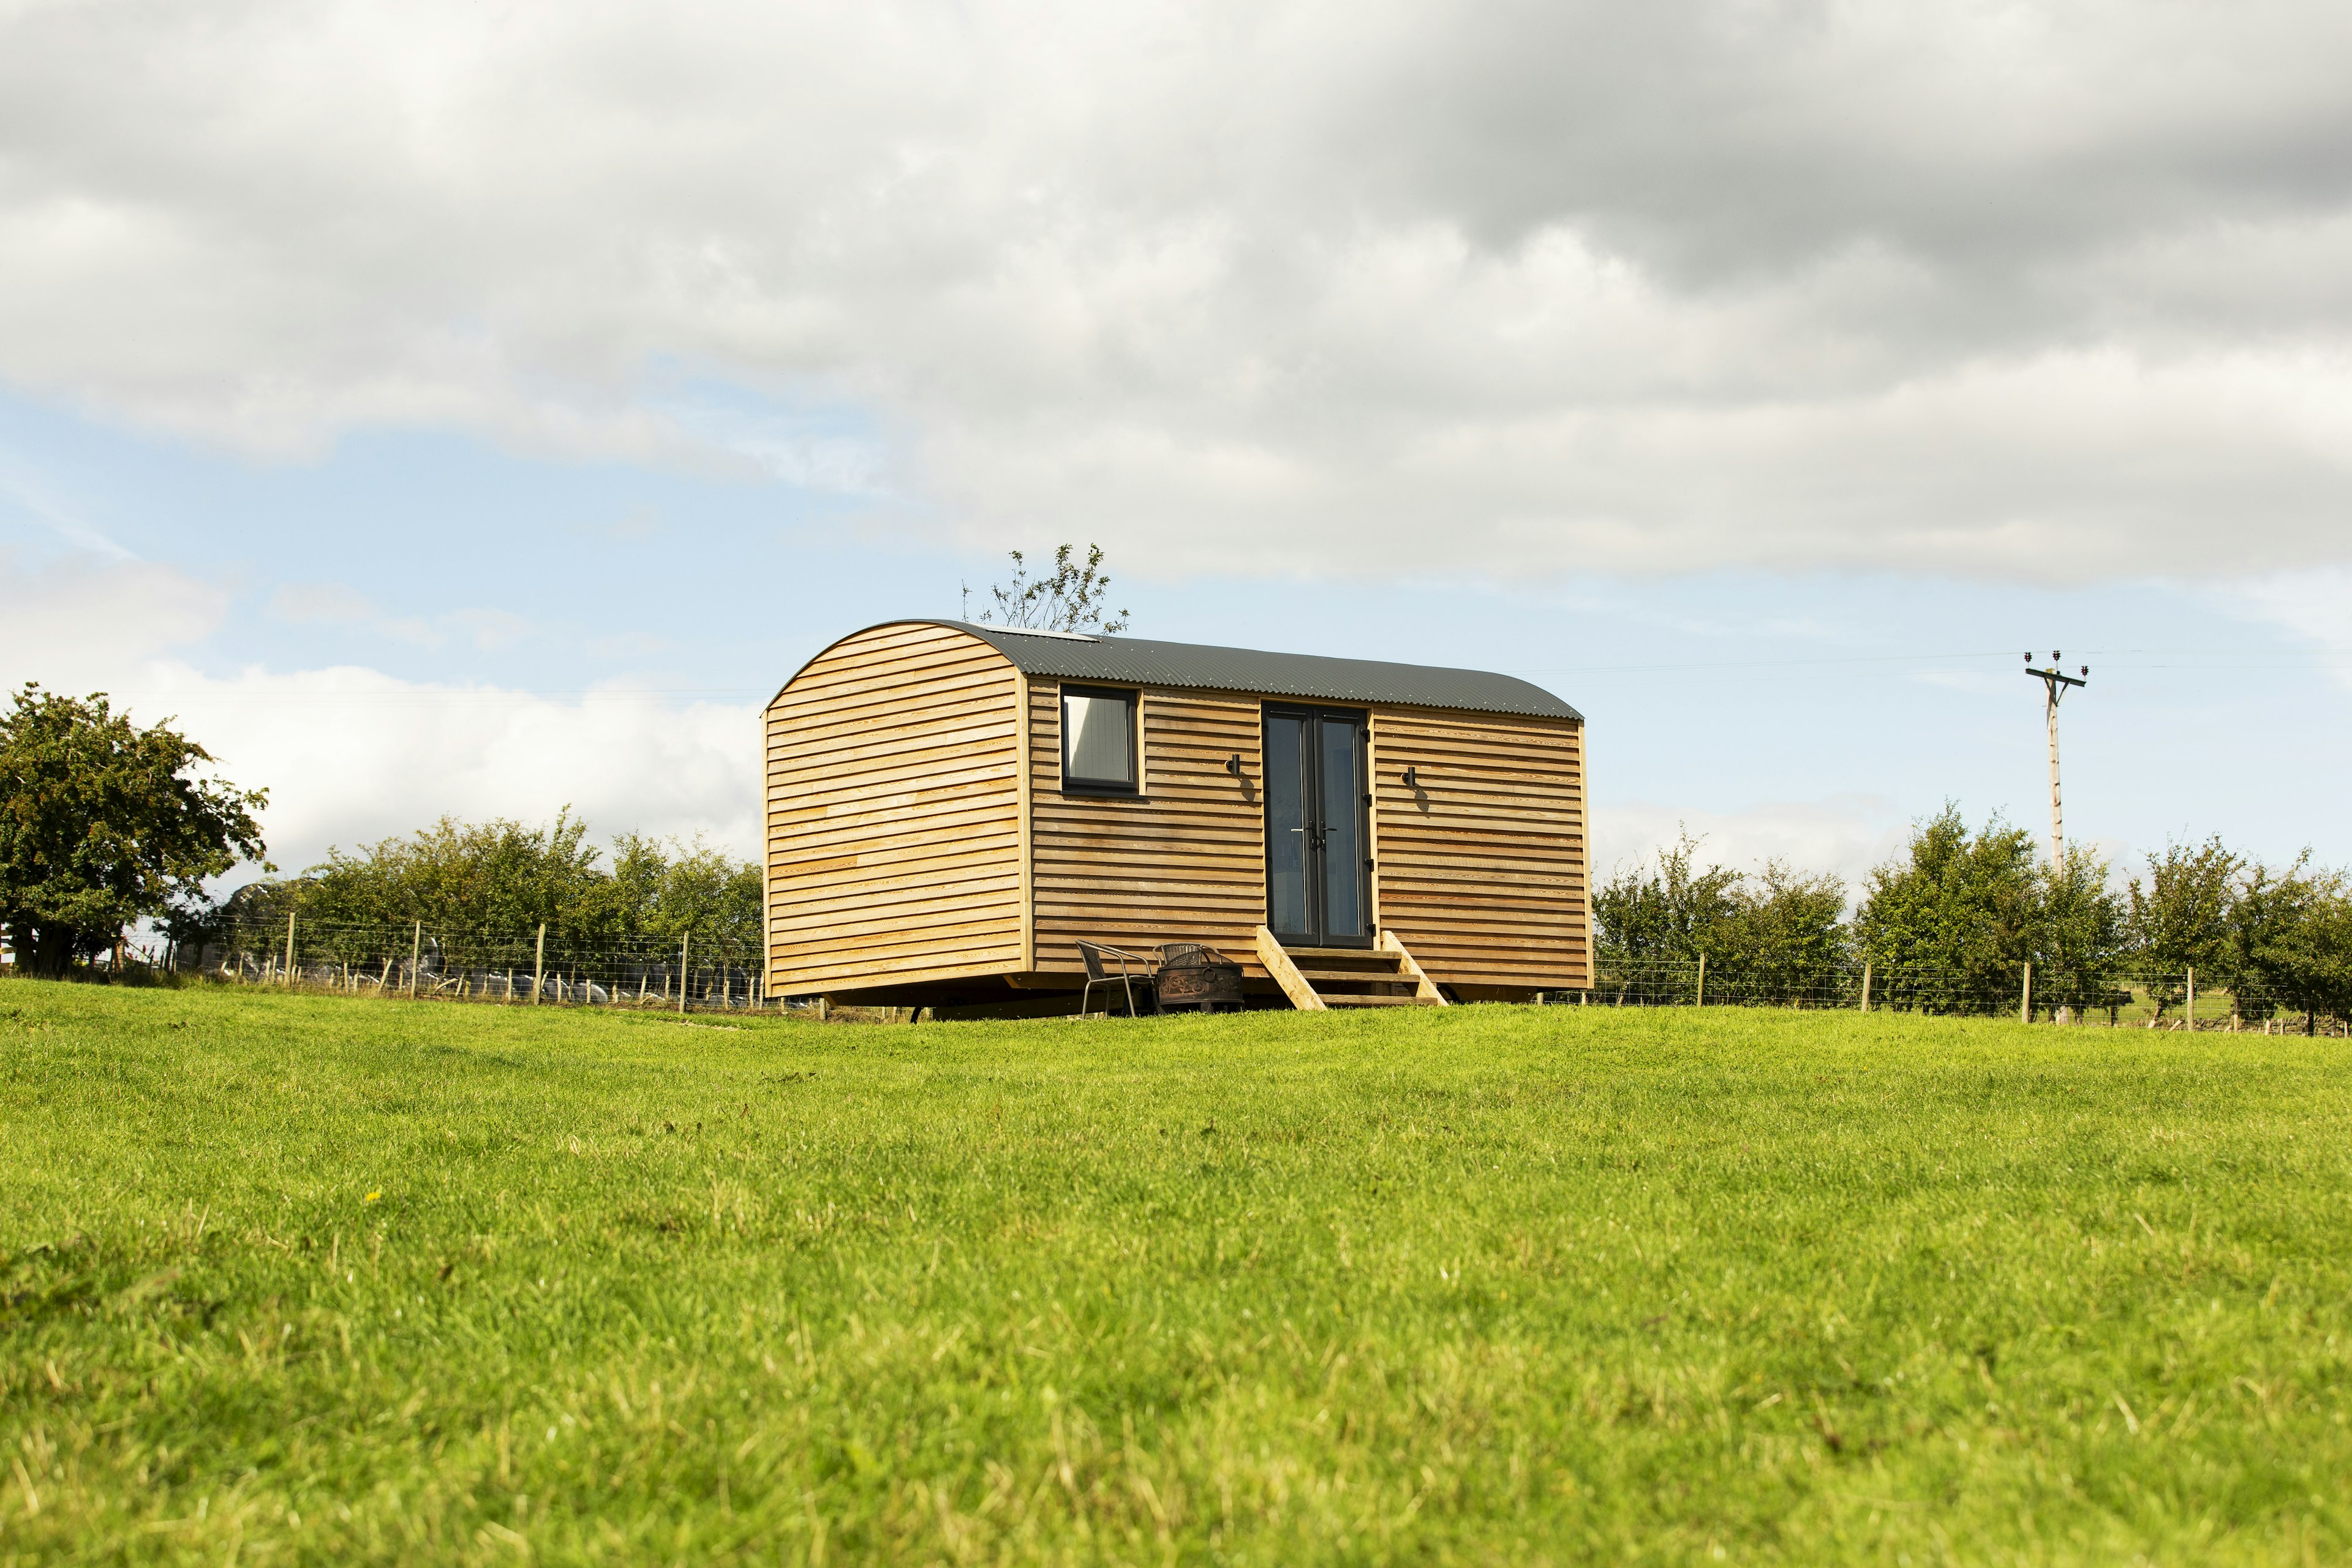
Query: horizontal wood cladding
(893, 813)
(899, 850)
(1183, 861)
(1482, 868)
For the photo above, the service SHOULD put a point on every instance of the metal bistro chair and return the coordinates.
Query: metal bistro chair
(1127, 980)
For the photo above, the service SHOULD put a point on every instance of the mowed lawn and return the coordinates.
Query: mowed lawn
(295, 1279)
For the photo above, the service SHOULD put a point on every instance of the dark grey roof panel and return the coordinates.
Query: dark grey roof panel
(1139, 661)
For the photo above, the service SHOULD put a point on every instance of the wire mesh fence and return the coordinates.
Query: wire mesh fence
(418, 960)
(2166, 1001)
(704, 974)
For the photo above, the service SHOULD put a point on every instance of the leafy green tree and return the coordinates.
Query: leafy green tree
(103, 822)
(1673, 911)
(481, 890)
(1788, 939)
(711, 893)
(1073, 597)
(2081, 935)
(1949, 926)
(669, 890)
(2290, 942)
(1777, 937)
(1664, 914)
(2181, 917)
(482, 887)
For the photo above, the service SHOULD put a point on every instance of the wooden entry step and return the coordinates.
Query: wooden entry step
(1317, 979)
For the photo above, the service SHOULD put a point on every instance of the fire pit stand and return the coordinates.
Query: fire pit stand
(1194, 977)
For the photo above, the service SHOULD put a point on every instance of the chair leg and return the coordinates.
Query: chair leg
(1128, 986)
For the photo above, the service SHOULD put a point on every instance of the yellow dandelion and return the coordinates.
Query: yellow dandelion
(370, 1197)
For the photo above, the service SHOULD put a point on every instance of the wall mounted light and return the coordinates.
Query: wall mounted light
(1234, 765)
(1413, 778)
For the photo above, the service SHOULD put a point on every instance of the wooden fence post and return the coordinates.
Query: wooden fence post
(538, 966)
(1865, 985)
(683, 946)
(2025, 1001)
(1702, 980)
(2189, 1010)
(415, 956)
(289, 949)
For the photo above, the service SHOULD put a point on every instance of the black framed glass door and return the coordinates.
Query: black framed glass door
(1318, 881)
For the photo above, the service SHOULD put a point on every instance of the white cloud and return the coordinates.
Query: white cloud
(2024, 292)
(2315, 605)
(1847, 835)
(350, 755)
(72, 620)
(308, 602)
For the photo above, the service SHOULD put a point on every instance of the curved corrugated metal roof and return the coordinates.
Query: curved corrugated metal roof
(1141, 661)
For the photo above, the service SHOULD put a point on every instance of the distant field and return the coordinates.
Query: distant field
(308, 1279)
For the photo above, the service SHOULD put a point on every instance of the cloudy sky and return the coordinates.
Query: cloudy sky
(483, 408)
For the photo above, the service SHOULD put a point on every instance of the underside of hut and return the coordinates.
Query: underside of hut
(952, 808)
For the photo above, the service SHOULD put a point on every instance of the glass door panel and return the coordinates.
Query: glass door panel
(1288, 827)
(1340, 836)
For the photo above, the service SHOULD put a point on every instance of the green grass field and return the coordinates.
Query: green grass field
(306, 1279)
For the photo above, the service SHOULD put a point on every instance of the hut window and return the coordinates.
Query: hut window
(1098, 740)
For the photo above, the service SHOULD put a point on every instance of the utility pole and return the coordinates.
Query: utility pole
(2055, 682)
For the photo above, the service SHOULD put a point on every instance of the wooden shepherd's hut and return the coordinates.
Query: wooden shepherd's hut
(951, 808)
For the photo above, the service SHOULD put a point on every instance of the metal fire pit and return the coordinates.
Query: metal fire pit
(1192, 975)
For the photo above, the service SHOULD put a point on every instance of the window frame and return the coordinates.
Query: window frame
(1072, 783)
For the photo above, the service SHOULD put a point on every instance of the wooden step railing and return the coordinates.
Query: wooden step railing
(1318, 979)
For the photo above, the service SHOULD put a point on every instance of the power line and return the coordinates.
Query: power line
(423, 696)
(2236, 658)
(1745, 664)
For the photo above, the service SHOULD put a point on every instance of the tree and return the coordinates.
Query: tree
(1789, 937)
(2181, 917)
(1777, 937)
(2290, 941)
(2081, 933)
(103, 822)
(1950, 925)
(672, 891)
(481, 890)
(1673, 912)
(1670, 914)
(481, 886)
(1071, 598)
